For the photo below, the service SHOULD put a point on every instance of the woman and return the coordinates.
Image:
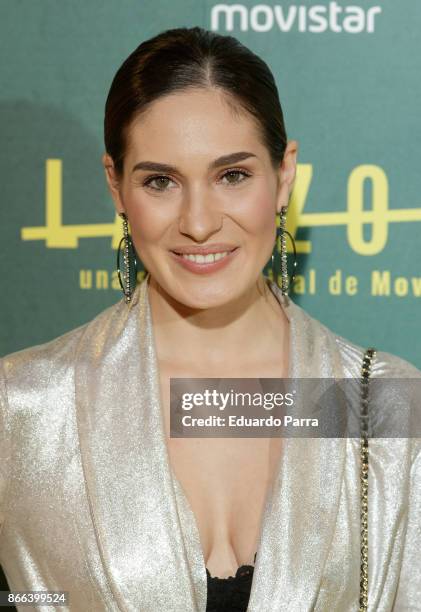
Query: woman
(96, 498)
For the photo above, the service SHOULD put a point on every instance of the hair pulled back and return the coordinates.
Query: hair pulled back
(182, 58)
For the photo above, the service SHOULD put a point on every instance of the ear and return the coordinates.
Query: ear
(286, 174)
(113, 182)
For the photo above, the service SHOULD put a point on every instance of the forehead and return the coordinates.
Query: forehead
(193, 123)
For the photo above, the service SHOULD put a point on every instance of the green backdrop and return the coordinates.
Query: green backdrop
(349, 82)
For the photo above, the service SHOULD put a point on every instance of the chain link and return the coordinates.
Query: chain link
(368, 359)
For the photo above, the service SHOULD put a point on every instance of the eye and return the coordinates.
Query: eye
(234, 173)
(160, 181)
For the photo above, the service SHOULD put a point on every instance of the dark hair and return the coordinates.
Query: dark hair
(183, 58)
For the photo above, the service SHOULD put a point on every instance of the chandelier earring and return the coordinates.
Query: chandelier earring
(128, 276)
(282, 233)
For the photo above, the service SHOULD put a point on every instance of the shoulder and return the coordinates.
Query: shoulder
(38, 364)
(346, 354)
(395, 392)
(384, 364)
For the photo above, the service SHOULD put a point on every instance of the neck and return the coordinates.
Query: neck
(253, 326)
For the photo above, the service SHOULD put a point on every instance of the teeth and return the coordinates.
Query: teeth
(211, 258)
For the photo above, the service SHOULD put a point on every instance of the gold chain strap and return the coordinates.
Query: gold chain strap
(368, 359)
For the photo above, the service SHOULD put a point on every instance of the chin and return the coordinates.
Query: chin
(203, 294)
(207, 297)
(204, 291)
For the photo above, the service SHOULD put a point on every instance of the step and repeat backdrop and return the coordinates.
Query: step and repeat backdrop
(349, 82)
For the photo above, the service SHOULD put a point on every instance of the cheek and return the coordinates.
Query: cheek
(257, 214)
(148, 220)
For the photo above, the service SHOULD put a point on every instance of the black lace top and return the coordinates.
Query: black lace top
(230, 594)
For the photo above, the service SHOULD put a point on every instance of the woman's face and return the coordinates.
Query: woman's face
(201, 199)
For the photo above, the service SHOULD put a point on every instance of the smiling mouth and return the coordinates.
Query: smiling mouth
(205, 258)
(217, 254)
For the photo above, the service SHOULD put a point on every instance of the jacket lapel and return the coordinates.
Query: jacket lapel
(301, 509)
(125, 462)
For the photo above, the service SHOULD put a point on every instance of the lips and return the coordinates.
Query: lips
(205, 267)
(208, 250)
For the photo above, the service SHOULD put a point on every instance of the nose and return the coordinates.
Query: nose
(200, 217)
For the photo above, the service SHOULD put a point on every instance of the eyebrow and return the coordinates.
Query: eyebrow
(225, 160)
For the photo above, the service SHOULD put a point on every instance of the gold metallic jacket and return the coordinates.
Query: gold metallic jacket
(89, 503)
